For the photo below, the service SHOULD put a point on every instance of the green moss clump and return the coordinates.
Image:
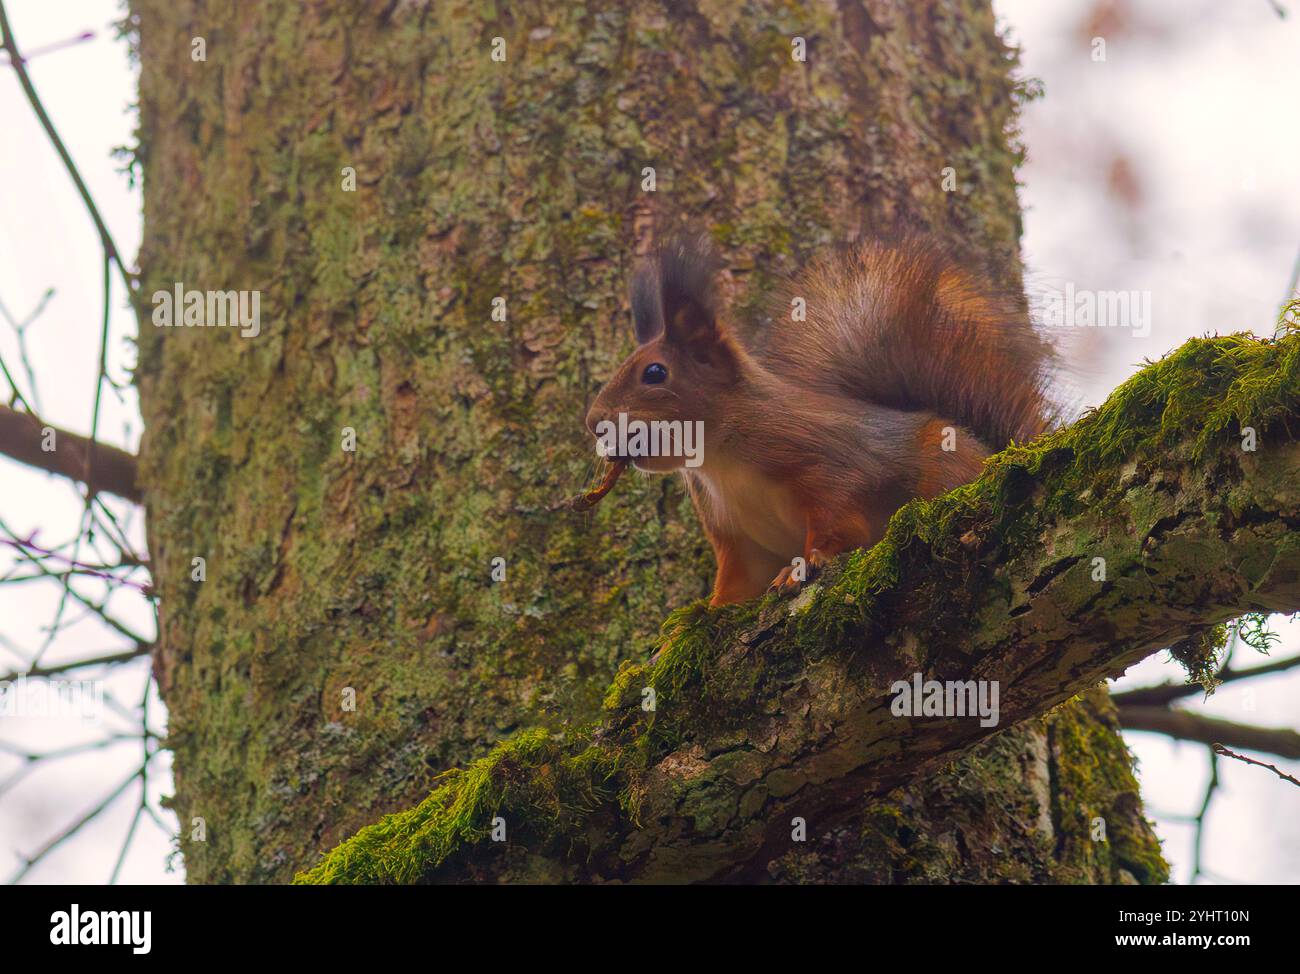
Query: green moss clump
(531, 775)
(1200, 653)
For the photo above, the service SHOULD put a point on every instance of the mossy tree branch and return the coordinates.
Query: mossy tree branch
(1069, 560)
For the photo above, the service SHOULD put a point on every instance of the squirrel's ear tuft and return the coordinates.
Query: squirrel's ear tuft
(647, 309)
(687, 263)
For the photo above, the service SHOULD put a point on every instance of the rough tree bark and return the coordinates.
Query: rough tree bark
(330, 571)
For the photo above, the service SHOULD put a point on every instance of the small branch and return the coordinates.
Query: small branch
(112, 470)
(130, 835)
(31, 55)
(88, 469)
(24, 356)
(144, 784)
(17, 62)
(1220, 749)
(1166, 693)
(72, 567)
(1211, 786)
(141, 649)
(70, 831)
(32, 758)
(1186, 726)
(126, 555)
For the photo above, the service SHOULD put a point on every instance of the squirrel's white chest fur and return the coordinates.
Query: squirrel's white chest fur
(745, 503)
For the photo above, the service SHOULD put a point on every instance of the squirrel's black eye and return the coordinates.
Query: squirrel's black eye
(654, 374)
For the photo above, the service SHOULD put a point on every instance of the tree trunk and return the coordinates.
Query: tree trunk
(331, 573)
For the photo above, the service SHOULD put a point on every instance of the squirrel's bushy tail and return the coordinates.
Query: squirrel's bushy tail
(900, 323)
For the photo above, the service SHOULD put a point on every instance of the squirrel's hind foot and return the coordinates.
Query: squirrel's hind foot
(785, 582)
(788, 582)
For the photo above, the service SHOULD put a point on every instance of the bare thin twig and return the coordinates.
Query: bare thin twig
(1210, 788)
(18, 63)
(108, 659)
(20, 332)
(73, 829)
(1220, 749)
(75, 567)
(36, 52)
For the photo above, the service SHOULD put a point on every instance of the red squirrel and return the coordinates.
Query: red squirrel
(902, 374)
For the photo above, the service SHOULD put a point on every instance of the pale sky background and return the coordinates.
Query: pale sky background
(1170, 167)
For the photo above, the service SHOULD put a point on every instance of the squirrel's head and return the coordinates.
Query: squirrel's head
(685, 363)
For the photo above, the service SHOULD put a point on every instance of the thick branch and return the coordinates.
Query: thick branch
(1067, 562)
(111, 470)
(1282, 741)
